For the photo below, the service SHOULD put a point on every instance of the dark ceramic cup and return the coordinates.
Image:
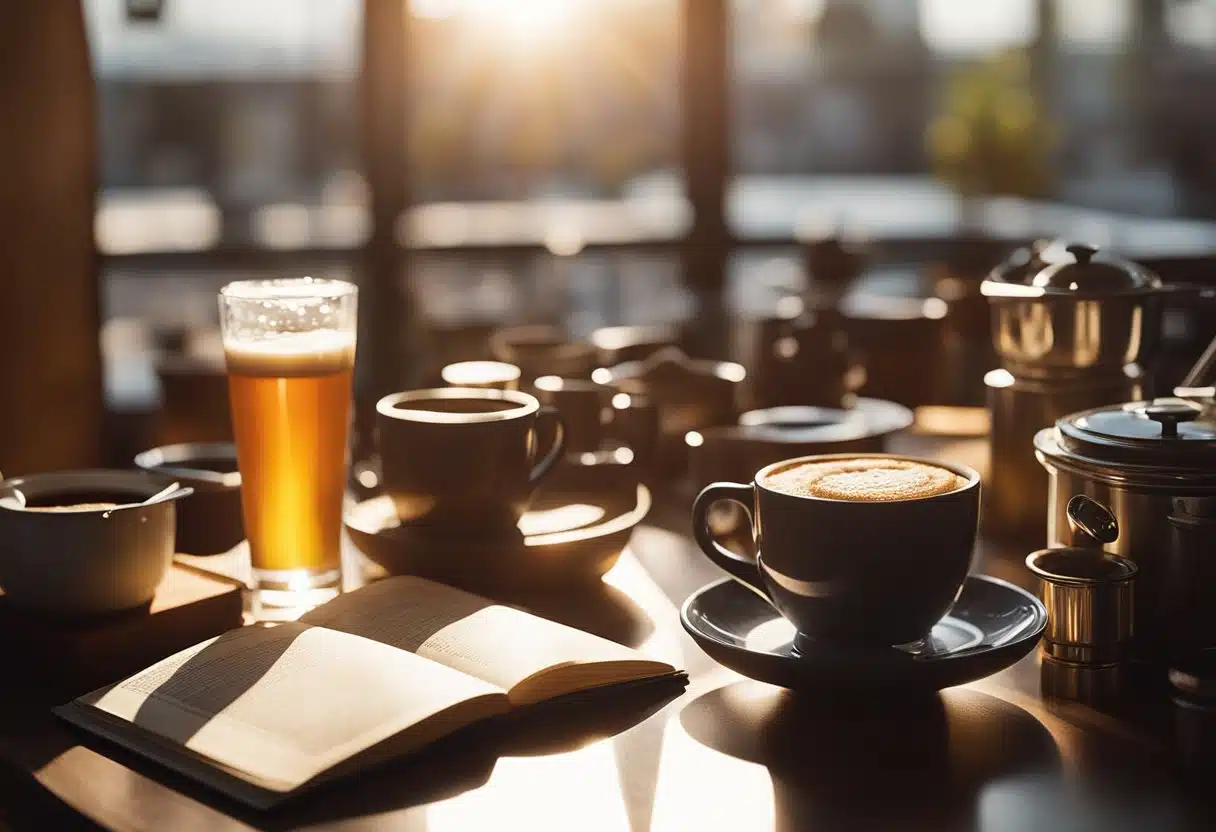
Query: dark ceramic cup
(843, 571)
(209, 522)
(462, 461)
(581, 403)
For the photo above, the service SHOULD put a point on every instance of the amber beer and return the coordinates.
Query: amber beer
(290, 395)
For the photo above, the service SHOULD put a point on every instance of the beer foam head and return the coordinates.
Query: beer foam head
(317, 353)
(864, 479)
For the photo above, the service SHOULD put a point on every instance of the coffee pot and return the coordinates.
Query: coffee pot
(1072, 326)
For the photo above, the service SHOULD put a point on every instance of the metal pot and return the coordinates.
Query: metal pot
(1141, 459)
(1082, 312)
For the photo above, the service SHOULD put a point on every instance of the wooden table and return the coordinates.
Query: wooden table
(727, 753)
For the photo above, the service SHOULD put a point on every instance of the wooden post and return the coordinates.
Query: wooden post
(386, 319)
(706, 150)
(51, 396)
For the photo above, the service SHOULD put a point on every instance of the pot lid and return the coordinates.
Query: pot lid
(1091, 272)
(1074, 270)
(1162, 432)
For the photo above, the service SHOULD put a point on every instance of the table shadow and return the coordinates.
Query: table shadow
(599, 608)
(881, 763)
(212, 679)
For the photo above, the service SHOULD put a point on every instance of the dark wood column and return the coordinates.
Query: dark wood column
(386, 316)
(51, 397)
(705, 84)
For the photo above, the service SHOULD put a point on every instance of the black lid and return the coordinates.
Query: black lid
(1084, 271)
(1162, 433)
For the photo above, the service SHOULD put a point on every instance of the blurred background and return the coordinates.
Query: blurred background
(596, 162)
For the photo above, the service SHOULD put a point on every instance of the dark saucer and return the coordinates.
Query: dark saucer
(572, 536)
(992, 625)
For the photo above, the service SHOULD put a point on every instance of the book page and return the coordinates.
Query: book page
(501, 645)
(281, 705)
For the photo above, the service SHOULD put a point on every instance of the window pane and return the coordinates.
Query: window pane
(569, 102)
(228, 123)
(890, 116)
(1099, 25)
(963, 27)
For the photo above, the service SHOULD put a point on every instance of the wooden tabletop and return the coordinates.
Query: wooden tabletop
(725, 753)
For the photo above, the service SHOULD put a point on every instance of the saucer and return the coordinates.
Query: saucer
(570, 536)
(992, 625)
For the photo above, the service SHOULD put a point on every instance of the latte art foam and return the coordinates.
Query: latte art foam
(864, 479)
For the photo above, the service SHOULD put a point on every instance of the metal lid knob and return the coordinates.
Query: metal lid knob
(1169, 415)
(1083, 252)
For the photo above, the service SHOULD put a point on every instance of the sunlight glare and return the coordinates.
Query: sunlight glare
(529, 22)
(578, 789)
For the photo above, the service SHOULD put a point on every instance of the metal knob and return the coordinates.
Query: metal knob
(1169, 415)
(1083, 252)
(1092, 523)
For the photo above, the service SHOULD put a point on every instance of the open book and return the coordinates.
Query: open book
(261, 712)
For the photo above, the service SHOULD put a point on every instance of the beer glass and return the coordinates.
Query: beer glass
(290, 351)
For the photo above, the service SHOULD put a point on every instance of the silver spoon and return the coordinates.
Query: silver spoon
(16, 500)
(162, 494)
(175, 491)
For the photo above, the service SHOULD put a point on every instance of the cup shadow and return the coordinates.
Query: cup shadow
(879, 762)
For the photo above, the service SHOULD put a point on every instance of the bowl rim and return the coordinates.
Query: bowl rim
(142, 482)
(174, 461)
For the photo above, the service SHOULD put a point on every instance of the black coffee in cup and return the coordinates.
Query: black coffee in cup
(865, 549)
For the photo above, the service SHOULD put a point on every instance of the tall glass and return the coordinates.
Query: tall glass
(290, 350)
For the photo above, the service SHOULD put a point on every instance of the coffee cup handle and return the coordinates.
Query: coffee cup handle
(740, 568)
(559, 444)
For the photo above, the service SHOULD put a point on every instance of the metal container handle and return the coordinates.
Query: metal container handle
(1092, 524)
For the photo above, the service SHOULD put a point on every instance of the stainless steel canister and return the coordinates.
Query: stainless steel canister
(1139, 459)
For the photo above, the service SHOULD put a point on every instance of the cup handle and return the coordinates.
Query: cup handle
(740, 568)
(559, 444)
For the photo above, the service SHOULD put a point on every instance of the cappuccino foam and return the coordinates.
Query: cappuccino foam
(864, 479)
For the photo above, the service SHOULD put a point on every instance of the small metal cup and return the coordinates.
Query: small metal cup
(1088, 595)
